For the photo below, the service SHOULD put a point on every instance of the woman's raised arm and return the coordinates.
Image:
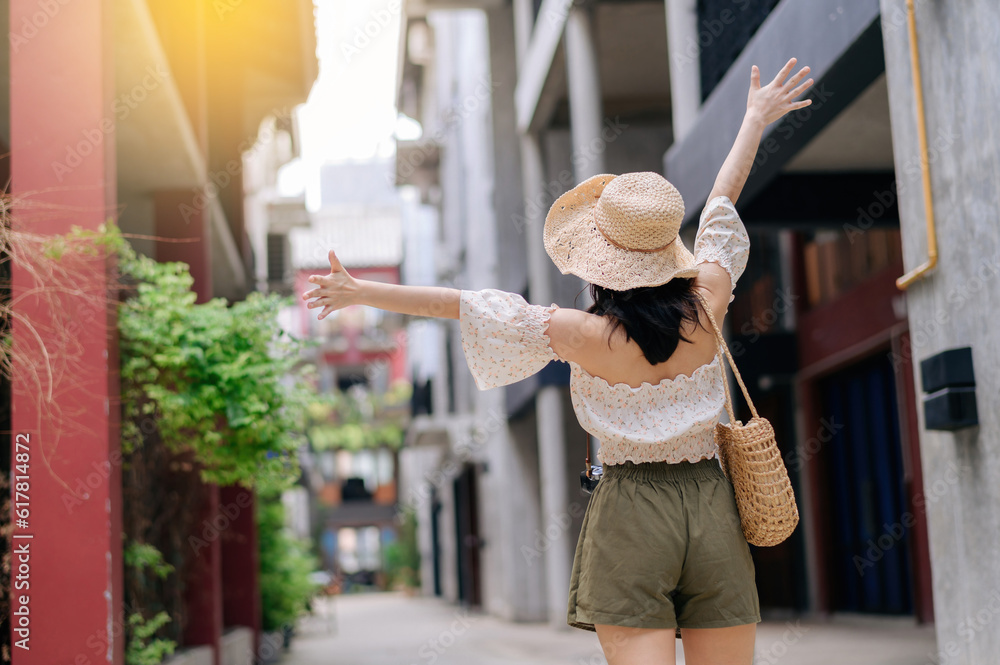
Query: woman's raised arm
(764, 106)
(339, 289)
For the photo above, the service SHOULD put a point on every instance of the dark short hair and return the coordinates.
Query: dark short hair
(651, 315)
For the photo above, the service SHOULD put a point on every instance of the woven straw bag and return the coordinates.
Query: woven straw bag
(751, 460)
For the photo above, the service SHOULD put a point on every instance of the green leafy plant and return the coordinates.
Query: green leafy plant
(221, 382)
(401, 559)
(285, 567)
(358, 419)
(143, 648)
(212, 377)
(141, 556)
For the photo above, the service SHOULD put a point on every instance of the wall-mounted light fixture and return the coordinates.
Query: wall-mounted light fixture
(950, 390)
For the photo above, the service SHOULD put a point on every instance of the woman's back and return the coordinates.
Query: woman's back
(616, 359)
(639, 411)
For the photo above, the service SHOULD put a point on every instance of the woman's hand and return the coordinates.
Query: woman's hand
(764, 106)
(336, 290)
(777, 98)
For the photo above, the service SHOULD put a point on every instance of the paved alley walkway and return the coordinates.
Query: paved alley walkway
(391, 629)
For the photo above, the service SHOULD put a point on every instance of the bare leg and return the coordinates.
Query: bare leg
(719, 646)
(637, 646)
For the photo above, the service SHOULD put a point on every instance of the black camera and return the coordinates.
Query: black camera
(588, 482)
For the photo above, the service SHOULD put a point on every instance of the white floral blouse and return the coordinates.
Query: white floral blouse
(504, 341)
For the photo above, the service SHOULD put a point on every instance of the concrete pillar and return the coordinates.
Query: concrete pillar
(956, 304)
(535, 208)
(548, 401)
(584, 82)
(552, 465)
(66, 562)
(684, 53)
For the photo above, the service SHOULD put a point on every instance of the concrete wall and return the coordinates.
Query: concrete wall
(508, 194)
(471, 115)
(416, 467)
(525, 504)
(959, 303)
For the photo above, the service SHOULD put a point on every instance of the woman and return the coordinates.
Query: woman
(661, 548)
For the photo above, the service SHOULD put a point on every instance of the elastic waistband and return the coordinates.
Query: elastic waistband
(705, 468)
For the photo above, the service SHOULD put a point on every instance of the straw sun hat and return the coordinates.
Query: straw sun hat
(619, 232)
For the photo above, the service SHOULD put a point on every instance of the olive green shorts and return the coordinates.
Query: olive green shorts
(661, 547)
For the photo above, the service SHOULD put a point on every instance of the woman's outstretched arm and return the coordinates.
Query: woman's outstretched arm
(764, 106)
(339, 289)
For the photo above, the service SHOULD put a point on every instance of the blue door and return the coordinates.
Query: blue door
(868, 516)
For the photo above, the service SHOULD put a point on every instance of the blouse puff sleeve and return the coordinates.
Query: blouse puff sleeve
(503, 337)
(722, 238)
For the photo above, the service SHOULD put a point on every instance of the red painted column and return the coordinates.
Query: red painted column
(240, 560)
(66, 601)
(182, 224)
(203, 577)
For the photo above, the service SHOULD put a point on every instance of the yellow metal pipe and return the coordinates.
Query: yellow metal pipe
(925, 167)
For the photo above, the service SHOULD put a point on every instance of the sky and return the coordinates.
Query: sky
(350, 114)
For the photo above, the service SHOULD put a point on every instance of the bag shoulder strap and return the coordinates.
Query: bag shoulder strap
(722, 346)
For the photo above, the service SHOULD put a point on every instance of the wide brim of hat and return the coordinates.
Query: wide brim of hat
(577, 247)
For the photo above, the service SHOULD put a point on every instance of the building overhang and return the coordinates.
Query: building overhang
(439, 431)
(157, 147)
(533, 98)
(845, 57)
(160, 134)
(418, 163)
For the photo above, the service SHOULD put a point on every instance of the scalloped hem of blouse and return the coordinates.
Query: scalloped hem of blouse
(651, 458)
